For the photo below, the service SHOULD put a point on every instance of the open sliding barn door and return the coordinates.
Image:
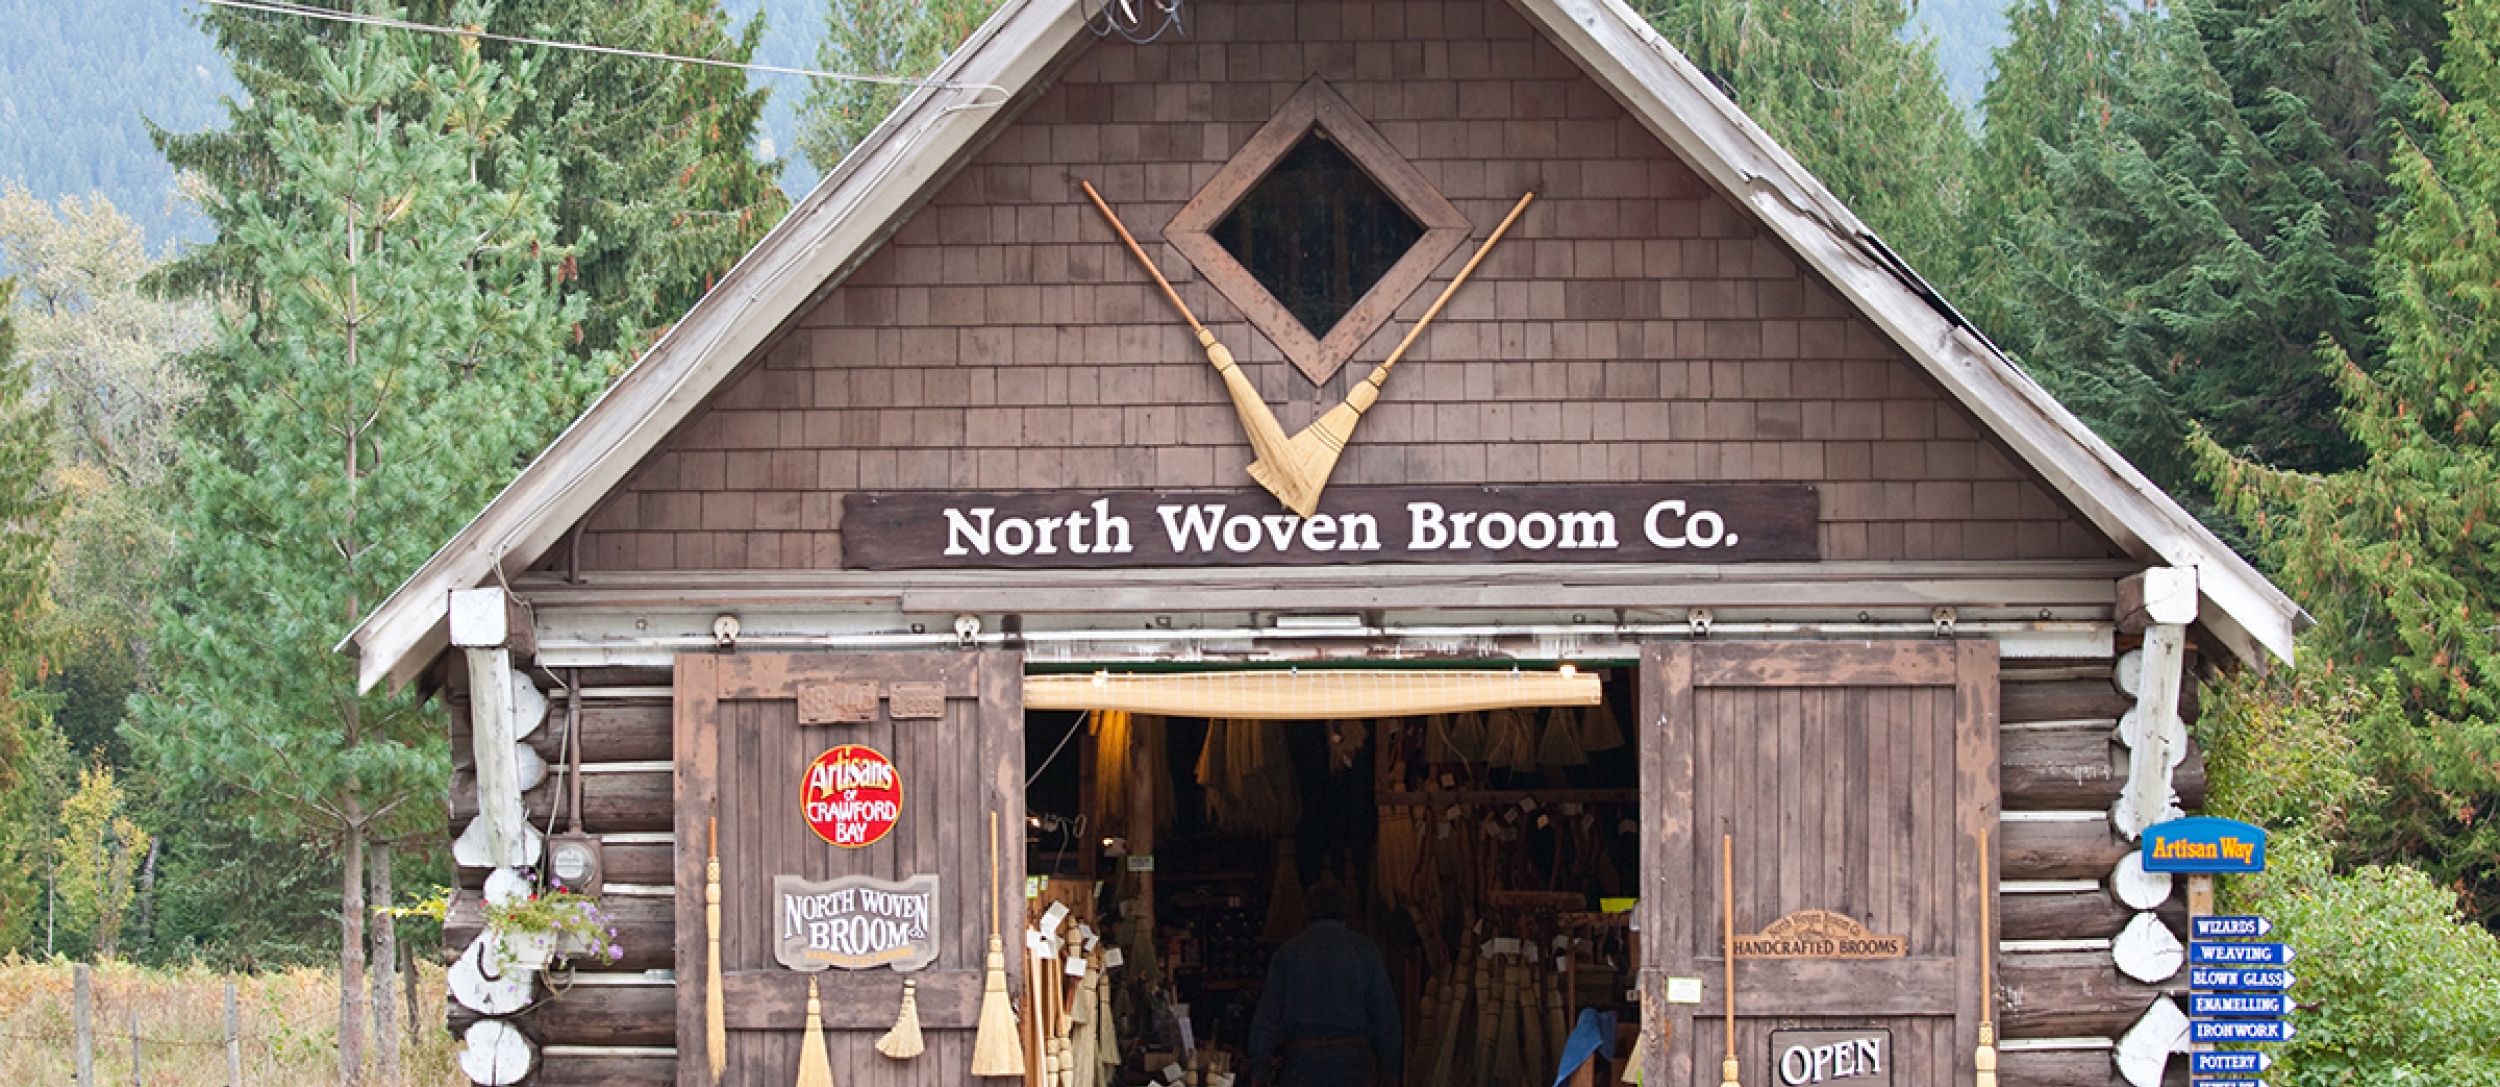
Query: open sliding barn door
(1854, 780)
(752, 731)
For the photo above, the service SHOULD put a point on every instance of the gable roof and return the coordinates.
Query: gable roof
(874, 189)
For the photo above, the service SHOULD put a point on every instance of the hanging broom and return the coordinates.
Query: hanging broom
(1986, 1058)
(995, 1048)
(715, 1022)
(903, 1042)
(1560, 746)
(1284, 898)
(815, 1065)
(1598, 730)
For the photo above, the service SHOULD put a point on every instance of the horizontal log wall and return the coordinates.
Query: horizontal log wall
(2058, 755)
(619, 1013)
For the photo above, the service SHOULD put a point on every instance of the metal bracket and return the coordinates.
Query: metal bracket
(967, 630)
(725, 631)
(1944, 618)
(1699, 619)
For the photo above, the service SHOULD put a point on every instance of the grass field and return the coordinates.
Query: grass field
(289, 1027)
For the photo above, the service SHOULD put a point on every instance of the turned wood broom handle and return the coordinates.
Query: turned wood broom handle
(1455, 281)
(1168, 292)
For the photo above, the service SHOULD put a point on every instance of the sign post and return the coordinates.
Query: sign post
(2237, 982)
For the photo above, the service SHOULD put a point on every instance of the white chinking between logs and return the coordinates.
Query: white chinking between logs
(505, 708)
(2161, 602)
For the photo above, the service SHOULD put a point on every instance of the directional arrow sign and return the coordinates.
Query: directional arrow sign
(2239, 1030)
(2228, 1083)
(2229, 1061)
(2239, 1005)
(2229, 928)
(2204, 954)
(2208, 977)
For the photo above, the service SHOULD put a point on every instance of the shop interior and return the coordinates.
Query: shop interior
(1490, 855)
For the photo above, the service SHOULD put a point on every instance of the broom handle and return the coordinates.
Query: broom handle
(1168, 292)
(1727, 920)
(1987, 987)
(1381, 372)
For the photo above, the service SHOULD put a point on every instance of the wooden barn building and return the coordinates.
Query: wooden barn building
(1697, 589)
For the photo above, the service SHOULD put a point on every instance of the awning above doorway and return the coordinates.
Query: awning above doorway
(1310, 694)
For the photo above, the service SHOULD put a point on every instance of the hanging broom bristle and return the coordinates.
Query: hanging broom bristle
(1560, 746)
(903, 1042)
(815, 1063)
(997, 1049)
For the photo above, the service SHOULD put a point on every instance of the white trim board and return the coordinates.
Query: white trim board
(891, 173)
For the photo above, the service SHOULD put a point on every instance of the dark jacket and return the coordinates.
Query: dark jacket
(1327, 984)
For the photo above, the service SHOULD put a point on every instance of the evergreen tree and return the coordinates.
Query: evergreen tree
(404, 358)
(1865, 110)
(2182, 206)
(27, 510)
(904, 38)
(2399, 555)
(657, 193)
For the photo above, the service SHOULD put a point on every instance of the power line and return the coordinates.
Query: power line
(282, 7)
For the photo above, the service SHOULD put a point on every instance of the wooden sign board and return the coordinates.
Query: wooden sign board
(1858, 1058)
(855, 923)
(1820, 934)
(2204, 844)
(1630, 522)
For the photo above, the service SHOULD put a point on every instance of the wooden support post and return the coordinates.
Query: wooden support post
(2161, 602)
(138, 1078)
(82, 1018)
(2200, 898)
(234, 1039)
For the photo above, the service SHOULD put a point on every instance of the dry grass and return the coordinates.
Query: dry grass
(289, 1027)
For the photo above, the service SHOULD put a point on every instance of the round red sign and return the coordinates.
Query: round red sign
(851, 796)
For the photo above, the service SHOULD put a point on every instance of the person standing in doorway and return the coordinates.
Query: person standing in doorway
(1327, 1017)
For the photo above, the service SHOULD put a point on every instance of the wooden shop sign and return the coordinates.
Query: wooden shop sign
(855, 923)
(1820, 934)
(1860, 1058)
(851, 796)
(1631, 522)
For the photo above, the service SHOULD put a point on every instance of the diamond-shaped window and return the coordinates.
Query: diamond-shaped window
(1317, 233)
(1317, 230)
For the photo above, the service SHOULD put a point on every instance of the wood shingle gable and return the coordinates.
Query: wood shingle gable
(1683, 302)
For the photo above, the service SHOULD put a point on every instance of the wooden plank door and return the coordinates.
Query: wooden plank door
(1854, 778)
(741, 757)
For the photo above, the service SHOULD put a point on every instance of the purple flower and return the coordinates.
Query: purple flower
(615, 952)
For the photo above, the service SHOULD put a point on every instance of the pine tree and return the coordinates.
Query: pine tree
(27, 510)
(657, 191)
(404, 358)
(1835, 82)
(2399, 555)
(902, 38)
(2207, 189)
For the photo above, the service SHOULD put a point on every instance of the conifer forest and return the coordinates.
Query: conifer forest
(2254, 244)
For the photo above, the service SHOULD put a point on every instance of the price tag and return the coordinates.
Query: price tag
(1053, 917)
(1141, 862)
(1112, 959)
(1076, 966)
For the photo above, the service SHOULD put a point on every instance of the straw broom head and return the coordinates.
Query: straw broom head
(815, 1064)
(903, 1042)
(997, 1047)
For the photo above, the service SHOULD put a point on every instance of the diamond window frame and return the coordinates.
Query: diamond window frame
(1316, 105)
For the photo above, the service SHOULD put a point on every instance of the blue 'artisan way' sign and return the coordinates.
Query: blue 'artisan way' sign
(2238, 1005)
(2229, 1061)
(2204, 844)
(2239, 1030)
(2204, 954)
(2219, 927)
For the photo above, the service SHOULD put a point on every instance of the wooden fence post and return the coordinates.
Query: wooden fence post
(81, 1013)
(136, 1079)
(234, 1041)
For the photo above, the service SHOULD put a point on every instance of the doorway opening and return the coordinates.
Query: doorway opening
(1490, 855)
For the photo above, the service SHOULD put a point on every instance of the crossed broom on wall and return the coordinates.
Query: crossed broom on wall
(1296, 469)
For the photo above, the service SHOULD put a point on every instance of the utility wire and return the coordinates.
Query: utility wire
(282, 7)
